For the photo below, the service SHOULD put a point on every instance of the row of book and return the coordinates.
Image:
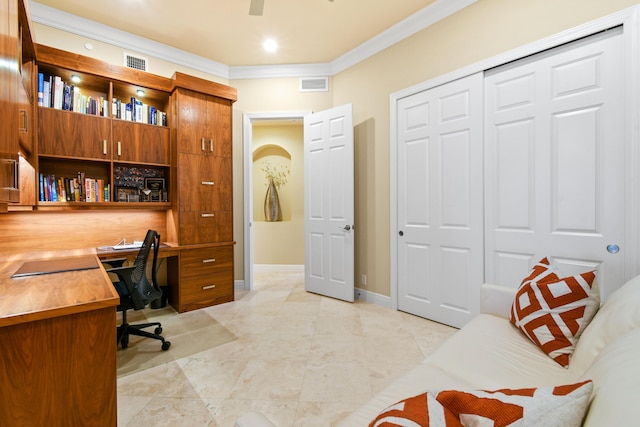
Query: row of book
(137, 111)
(53, 92)
(76, 189)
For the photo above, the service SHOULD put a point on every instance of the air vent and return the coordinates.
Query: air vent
(314, 84)
(135, 62)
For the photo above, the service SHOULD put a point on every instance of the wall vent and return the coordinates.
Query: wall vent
(314, 84)
(135, 62)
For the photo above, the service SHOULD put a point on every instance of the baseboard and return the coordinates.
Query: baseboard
(238, 285)
(372, 297)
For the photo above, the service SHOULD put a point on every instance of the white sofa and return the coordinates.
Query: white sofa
(489, 353)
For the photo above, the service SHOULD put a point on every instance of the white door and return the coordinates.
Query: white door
(555, 162)
(328, 203)
(440, 212)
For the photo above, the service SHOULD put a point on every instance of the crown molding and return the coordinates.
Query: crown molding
(420, 20)
(64, 21)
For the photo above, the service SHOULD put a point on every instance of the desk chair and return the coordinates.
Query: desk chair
(136, 292)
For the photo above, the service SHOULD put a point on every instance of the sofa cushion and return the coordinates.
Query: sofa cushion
(616, 380)
(553, 312)
(490, 353)
(617, 316)
(562, 406)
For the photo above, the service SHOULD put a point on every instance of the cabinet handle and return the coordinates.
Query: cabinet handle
(203, 143)
(25, 121)
(208, 215)
(119, 149)
(104, 147)
(211, 145)
(208, 183)
(204, 288)
(205, 261)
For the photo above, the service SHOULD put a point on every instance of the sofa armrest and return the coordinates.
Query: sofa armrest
(496, 300)
(253, 419)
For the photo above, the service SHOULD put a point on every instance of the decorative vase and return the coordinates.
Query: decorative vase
(272, 211)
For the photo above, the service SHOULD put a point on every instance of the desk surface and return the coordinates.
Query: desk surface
(31, 298)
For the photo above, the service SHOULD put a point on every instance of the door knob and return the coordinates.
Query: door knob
(401, 233)
(346, 228)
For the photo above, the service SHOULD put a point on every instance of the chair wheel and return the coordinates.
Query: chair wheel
(166, 345)
(125, 342)
(158, 330)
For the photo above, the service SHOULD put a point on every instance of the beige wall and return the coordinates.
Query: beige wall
(279, 242)
(485, 29)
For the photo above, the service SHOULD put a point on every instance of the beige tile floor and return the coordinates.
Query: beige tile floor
(299, 358)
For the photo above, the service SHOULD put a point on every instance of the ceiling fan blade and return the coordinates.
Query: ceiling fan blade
(256, 7)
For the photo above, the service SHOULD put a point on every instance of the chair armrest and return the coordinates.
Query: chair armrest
(253, 419)
(496, 300)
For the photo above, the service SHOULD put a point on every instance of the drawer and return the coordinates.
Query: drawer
(205, 262)
(205, 227)
(209, 290)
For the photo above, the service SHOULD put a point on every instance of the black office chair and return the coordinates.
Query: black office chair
(136, 292)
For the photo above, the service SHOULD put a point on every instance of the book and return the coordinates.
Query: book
(66, 97)
(46, 101)
(40, 89)
(58, 93)
(41, 179)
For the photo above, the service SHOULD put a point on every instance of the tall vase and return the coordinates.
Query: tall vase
(272, 211)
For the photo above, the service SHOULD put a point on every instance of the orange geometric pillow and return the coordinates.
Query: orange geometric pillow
(552, 312)
(561, 406)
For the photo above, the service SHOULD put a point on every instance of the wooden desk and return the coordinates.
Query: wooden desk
(58, 353)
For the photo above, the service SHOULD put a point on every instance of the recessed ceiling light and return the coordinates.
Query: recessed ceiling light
(270, 45)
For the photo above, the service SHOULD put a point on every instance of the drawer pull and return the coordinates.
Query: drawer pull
(208, 183)
(204, 288)
(119, 149)
(209, 215)
(104, 147)
(204, 261)
(203, 144)
(211, 145)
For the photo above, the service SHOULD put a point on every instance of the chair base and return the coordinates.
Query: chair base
(126, 329)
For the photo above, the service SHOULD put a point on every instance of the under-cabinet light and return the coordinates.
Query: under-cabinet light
(140, 92)
(75, 79)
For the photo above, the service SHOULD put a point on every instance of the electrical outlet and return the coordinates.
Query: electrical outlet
(363, 280)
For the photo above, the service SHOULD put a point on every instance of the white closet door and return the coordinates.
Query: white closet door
(440, 214)
(554, 135)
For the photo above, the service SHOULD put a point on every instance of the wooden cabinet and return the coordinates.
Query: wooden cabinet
(9, 79)
(203, 127)
(67, 134)
(206, 277)
(140, 143)
(203, 205)
(91, 133)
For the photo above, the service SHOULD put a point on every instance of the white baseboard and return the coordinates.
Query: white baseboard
(372, 297)
(238, 285)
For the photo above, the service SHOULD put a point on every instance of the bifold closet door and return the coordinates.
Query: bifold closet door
(440, 214)
(554, 137)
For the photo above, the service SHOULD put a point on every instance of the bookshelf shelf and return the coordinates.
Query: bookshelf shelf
(118, 146)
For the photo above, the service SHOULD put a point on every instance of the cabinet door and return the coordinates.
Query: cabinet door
(25, 122)
(9, 80)
(140, 143)
(219, 126)
(204, 183)
(63, 133)
(193, 132)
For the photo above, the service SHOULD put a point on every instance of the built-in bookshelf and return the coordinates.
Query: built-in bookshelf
(103, 134)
